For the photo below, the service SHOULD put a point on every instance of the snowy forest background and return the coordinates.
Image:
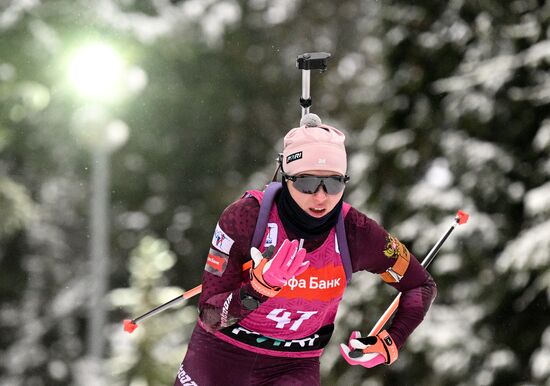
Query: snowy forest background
(445, 105)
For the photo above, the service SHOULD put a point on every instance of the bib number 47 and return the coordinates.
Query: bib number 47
(283, 317)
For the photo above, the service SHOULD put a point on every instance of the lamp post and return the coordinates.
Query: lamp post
(97, 72)
(103, 136)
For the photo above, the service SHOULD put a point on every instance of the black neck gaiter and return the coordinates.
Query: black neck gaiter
(298, 222)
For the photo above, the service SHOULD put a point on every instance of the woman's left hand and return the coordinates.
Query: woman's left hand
(370, 351)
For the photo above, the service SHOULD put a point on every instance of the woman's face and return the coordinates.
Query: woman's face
(319, 203)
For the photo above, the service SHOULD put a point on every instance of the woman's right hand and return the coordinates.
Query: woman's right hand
(268, 276)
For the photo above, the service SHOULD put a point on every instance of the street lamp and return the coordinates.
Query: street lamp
(97, 70)
(98, 75)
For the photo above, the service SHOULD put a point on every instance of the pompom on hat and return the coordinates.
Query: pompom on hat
(314, 146)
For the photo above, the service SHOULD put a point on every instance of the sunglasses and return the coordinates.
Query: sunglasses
(310, 184)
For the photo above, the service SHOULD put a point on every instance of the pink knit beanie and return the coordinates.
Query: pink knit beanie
(314, 148)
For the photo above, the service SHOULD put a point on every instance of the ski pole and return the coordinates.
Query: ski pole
(131, 324)
(460, 218)
(307, 62)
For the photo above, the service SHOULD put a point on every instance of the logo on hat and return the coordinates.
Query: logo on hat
(293, 157)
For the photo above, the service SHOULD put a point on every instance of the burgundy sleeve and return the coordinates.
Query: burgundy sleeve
(367, 241)
(220, 302)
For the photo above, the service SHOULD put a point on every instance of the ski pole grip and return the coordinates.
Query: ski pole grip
(307, 62)
(313, 61)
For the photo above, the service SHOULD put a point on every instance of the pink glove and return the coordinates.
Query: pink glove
(370, 351)
(268, 276)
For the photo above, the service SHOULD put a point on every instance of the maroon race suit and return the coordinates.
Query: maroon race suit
(280, 341)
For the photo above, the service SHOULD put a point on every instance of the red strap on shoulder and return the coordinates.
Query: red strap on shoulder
(345, 208)
(257, 194)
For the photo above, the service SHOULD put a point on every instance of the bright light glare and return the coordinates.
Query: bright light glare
(96, 71)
